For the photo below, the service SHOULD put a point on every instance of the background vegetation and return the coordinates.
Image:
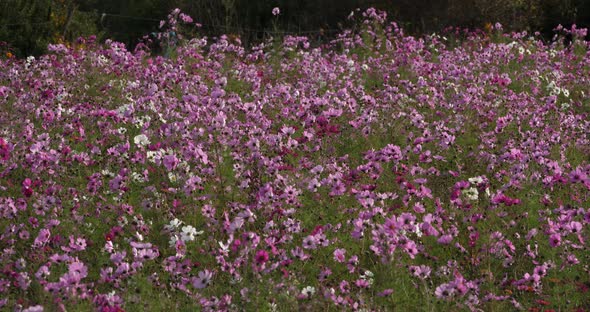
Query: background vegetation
(28, 25)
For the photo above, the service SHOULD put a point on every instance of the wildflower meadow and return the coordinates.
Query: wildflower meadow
(376, 172)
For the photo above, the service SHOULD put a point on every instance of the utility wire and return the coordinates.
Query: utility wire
(21, 24)
(103, 15)
(240, 29)
(252, 30)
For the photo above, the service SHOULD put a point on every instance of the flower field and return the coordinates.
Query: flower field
(379, 171)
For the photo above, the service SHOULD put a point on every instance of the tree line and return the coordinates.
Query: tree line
(27, 26)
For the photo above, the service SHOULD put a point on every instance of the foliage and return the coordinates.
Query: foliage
(28, 26)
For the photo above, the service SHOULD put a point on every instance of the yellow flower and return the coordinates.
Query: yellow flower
(9, 55)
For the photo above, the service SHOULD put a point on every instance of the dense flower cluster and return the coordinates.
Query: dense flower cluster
(377, 171)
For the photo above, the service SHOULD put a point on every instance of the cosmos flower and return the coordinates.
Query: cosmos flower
(471, 193)
(308, 291)
(141, 140)
(577, 176)
(202, 280)
(189, 233)
(36, 308)
(42, 238)
(555, 240)
(261, 257)
(422, 271)
(444, 291)
(339, 255)
(173, 225)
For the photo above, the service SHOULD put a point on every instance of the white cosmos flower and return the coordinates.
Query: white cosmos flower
(141, 140)
(30, 60)
(188, 233)
(122, 221)
(137, 177)
(174, 224)
(368, 276)
(308, 291)
(107, 173)
(418, 231)
(173, 177)
(471, 193)
(224, 246)
(565, 92)
(173, 240)
(475, 180)
(102, 60)
(151, 156)
(565, 106)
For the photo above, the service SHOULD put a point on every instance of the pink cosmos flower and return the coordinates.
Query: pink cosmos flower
(577, 175)
(572, 259)
(299, 254)
(324, 273)
(575, 227)
(170, 162)
(78, 270)
(261, 257)
(339, 255)
(42, 238)
(411, 249)
(310, 242)
(422, 271)
(361, 283)
(445, 239)
(75, 244)
(27, 187)
(5, 149)
(37, 308)
(385, 292)
(203, 279)
(444, 291)
(555, 240)
(186, 18)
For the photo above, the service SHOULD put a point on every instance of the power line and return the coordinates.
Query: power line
(239, 29)
(103, 15)
(21, 24)
(252, 30)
